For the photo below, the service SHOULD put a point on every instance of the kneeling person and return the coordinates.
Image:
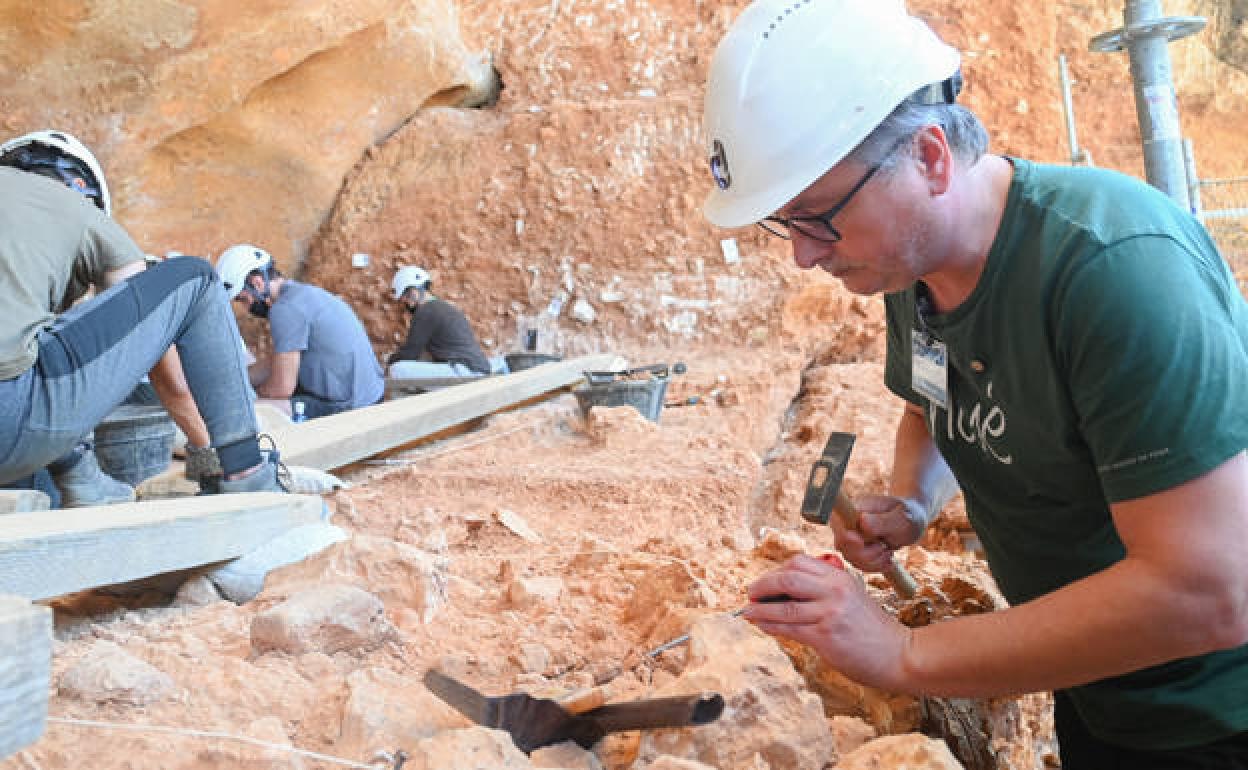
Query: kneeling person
(440, 342)
(321, 354)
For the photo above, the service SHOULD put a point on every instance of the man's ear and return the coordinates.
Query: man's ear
(935, 158)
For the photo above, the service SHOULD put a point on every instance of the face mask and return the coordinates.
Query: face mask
(259, 306)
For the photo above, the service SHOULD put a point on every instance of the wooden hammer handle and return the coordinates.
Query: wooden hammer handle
(901, 581)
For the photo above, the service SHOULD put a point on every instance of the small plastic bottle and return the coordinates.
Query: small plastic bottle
(298, 415)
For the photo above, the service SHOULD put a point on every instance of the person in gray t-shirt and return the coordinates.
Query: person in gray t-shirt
(322, 360)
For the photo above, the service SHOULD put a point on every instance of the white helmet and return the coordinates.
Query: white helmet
(796, 85)
(410, 276)
(69, 160)
(237, 262)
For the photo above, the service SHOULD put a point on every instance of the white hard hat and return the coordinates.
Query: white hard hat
(237, 262)
(796, 85)
(409, 276)
(70, 160)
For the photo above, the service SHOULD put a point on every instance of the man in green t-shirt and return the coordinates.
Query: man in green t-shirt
(1073, 354)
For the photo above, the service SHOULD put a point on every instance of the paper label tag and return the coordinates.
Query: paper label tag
(929, 368)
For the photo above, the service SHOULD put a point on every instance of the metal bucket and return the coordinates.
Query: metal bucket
(134, 443)
(646, 396)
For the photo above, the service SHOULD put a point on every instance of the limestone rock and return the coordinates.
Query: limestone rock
(779, 546)
(107, 673)
(660, 605)
(328, 619)
(528, 592)
(565, 756)
(768, 711)
(516, 524)
(850, 732)
(532, 658)
(474, 748)
(197, 592)
(385, 710)
(404, 576)
(911, 751)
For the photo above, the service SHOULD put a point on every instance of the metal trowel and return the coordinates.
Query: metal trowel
(536, 722)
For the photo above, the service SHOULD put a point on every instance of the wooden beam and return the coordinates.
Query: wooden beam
(406, 386)
(341, 439)
(19, 500)
(25, 672)
(53, 553)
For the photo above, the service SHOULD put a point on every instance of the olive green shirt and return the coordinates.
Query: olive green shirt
(54, 244)
(1102, 357)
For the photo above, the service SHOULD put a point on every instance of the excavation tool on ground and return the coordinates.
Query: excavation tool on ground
(824, 496)
(536, 722)
(652, 370)
(641, 387)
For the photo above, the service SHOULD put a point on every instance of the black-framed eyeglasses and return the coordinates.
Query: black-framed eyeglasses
(816, 226)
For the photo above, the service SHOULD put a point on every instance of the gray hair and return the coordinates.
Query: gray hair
(968, 139)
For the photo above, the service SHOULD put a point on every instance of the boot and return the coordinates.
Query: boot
(84, 484)
(267, 478)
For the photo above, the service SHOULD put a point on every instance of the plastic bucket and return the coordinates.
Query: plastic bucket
(646, 396)
(134, 443)
(518, 361)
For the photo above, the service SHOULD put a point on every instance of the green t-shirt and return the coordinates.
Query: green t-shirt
(1103, 356)
(54, 244)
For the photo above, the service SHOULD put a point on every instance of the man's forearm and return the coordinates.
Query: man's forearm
(1121, 619)
(170, 385)
(919, 472)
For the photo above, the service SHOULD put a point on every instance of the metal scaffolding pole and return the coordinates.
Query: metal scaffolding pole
(1077, 154)
(1145, 37)
(1193, 179)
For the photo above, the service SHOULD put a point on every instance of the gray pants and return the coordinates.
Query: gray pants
(92, 356)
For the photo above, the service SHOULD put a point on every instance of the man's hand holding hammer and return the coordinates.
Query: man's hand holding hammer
(827, 608)
(885, 524)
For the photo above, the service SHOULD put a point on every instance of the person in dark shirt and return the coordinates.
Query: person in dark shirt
(440, 342)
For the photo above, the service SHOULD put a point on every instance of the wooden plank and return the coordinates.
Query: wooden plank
(25, 672)
(405, 386)
(19, 500)
(53, 553)
(340, 439)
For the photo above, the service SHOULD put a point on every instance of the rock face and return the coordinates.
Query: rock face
(324, 129)
(221, 121)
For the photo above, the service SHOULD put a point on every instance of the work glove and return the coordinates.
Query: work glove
(202, 463)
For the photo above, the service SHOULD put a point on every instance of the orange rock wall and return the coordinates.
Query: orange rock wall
(325, 129)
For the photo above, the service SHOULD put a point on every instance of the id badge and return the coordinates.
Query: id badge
(929, 368)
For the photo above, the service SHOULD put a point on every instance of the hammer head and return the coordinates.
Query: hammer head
(826, 476)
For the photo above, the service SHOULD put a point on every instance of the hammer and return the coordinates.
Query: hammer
(824, 495)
